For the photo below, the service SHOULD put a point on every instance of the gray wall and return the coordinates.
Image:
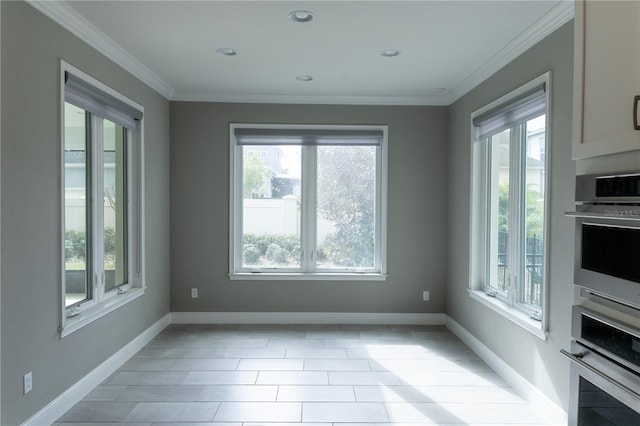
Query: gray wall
(31, 47)
(200, 212)
(538, 361)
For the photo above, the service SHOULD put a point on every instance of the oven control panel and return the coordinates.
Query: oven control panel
(608, 188)
(618, 186)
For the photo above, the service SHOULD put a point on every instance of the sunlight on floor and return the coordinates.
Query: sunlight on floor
(313, 374)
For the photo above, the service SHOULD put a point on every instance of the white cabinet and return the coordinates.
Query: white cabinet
(606, 117)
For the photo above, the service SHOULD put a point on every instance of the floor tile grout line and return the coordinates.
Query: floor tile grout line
(386, 411)
(202, 388)
(217, 411)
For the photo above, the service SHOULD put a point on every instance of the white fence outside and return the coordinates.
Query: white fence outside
(277, 216)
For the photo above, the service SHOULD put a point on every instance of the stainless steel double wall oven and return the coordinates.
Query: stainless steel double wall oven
(605, 349)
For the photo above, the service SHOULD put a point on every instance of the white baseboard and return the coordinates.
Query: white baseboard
(306, 318)
(56, 408)
(549, 410)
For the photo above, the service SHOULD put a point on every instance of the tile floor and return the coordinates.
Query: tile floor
(235, 375)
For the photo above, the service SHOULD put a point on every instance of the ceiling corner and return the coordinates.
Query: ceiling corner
(561, 13)
(61, 13)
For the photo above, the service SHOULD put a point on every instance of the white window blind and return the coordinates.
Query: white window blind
(307, 137)
(528, 105)
(88, 97)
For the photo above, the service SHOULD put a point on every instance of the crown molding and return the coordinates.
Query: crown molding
(313, 99)
(68, 18)
(558, 15)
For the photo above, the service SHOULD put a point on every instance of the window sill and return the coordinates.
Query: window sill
(274, 276)
(90, 315)
(514, 315)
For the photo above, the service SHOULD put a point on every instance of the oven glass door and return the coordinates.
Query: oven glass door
(607, 257)
(602, 392)
(611, 250)
(597, 407)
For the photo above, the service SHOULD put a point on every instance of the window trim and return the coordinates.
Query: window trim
(236, 273)
(94, 309)
(478, 223)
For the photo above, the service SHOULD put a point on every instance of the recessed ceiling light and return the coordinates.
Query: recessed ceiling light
(390, 53)
(227, 51)
(304, 78)
(301, 16)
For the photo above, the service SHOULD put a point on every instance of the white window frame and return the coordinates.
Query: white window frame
(103, 302)
(506, 305)
(307, 271)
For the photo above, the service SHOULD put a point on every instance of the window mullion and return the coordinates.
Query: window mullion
(521, 222)
(135, 206)
(378, 209)
(237, 163)
(309, 202)
(90, 208)
(126, 213)
(516, 213)
(494, 152)
(97, 189)
(486, 178)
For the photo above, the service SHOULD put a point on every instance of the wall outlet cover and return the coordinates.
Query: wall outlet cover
(27, 382)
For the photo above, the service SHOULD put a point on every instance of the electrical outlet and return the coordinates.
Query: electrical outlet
(425, 296)
(27, 382)
(194, 293)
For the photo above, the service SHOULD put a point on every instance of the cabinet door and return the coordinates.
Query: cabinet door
(606, 77)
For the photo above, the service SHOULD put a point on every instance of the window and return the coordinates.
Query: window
(308, 202)
(510, 202)
(101, 156)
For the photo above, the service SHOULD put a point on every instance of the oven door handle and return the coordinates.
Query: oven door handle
(577, 358)
(604, 215)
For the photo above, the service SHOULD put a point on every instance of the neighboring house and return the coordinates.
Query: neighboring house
(535, 161)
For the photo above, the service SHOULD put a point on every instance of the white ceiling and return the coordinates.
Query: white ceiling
(448, 47)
